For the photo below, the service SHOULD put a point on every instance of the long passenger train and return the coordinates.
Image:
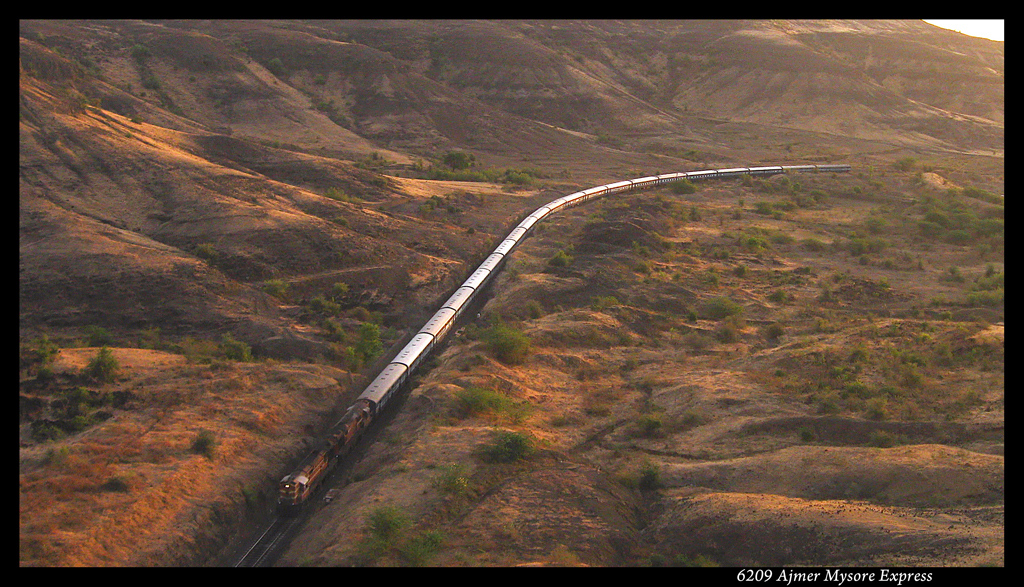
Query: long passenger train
(296, 488)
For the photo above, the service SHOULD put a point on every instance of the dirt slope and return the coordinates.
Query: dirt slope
(252, 214)
(665, 433)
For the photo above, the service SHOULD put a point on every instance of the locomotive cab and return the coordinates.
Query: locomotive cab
(290, 493)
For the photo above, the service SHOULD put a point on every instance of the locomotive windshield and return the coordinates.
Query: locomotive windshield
(288, 491)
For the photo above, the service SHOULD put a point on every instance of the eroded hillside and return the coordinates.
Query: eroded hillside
(225, 226)
(707, 383)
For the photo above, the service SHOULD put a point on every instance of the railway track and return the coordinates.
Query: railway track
(297, 490)
(267, 544)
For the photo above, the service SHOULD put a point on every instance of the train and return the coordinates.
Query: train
(296, 488)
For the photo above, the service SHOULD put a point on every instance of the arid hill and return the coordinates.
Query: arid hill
(226, 226)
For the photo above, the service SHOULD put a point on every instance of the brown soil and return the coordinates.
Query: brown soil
(186, 186)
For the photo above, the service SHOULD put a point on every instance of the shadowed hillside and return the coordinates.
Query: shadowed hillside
(225, 226)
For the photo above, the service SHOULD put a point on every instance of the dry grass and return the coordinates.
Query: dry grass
(123, 490)
(869, 403)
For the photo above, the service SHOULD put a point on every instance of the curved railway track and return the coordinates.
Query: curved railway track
(297, 488)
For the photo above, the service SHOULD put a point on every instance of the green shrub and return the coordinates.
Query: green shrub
(276, 66)
(560, 259)
(601, 303)
(813, 244)
(534, 310)
(141, 53)
(452, 480)
(457, 160)
(117, 484)
(698, 560)
(98, 336)
(420, 550)
(205, 251)
(882, 439)
(649, 425)
(905, 164)
(276, 288)
(323, 307)
(507, 344)
(650, 477)
(46, 350)
(774, 331)
(367, 347)
(479, 400)
(728, 331)
(877, 408)
(931, 229)
(721, 307)
(235, 350)
(204, 443)
(339, 290)
(386, 523)
(860, 246)
(103, 367)
(985, 298)
(508, 447)
(958, 236)
(683, 186)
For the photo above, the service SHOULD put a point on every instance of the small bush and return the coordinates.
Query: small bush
(813, 244)
(276, 66)
(141, 53)
(339, 290)
(861, 246)
(386, 522)
(98, 336)
(601, 303)
(204, 443)
(46, 350)
(697, 341)
(877, 408)
(276, 288)
(698, 560)
(452, 480)
(508, 345)
(478, 400)
(721, 307)
(419, 550)
(882, 439)
(508, 447)
(103, 367)
(561, 259)
(117, 484)
(650, 477)
(534, 310)
(774, 331)
(649, 426)
(683, 186)
(205, 251)
(729, 331)
(235, 350)
(369, 345)
(323, 307)
(905, 164)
